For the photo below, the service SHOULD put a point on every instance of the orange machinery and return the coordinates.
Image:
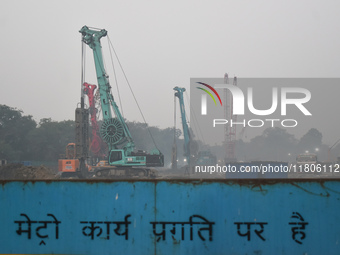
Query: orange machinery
(70, 163)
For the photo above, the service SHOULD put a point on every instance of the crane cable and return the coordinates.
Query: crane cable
(192, 113)
(127, 81)
(83, 58)
(115, 75)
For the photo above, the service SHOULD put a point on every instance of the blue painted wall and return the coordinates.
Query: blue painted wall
(170, 217)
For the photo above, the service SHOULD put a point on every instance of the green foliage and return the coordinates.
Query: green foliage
(276, 144)
(273, 145)
(50, 138)
(149, 138)
(21, 138)
(311, 141)
(14, 130)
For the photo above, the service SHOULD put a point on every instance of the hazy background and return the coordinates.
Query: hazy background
(323, 106)
(161, 44)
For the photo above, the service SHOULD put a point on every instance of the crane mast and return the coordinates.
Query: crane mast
(230, 132)
(186, 133)
(114, 130)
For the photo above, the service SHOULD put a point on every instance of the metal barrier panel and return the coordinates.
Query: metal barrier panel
(170, 217)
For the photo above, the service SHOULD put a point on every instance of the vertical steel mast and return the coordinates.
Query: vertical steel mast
(230, 130)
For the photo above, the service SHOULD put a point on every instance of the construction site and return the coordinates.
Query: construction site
(116, 190)
(103, 145)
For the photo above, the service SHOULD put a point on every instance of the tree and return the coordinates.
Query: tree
(273, 145)
(14, 128)
(50, 138)
(163, 139)
(311, 141)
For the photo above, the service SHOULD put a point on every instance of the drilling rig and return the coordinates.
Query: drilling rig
(122, 159)
(192, 155)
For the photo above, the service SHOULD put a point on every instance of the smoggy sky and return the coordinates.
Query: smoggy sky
(160, 44)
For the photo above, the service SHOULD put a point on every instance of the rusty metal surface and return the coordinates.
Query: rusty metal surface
(183, 216)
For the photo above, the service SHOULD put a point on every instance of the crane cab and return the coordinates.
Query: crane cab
(140, 158)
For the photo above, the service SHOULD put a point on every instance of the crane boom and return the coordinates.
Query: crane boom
(185, 126)
(114, 130)
(191, 153)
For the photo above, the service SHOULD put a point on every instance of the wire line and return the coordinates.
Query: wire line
(133, 94)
